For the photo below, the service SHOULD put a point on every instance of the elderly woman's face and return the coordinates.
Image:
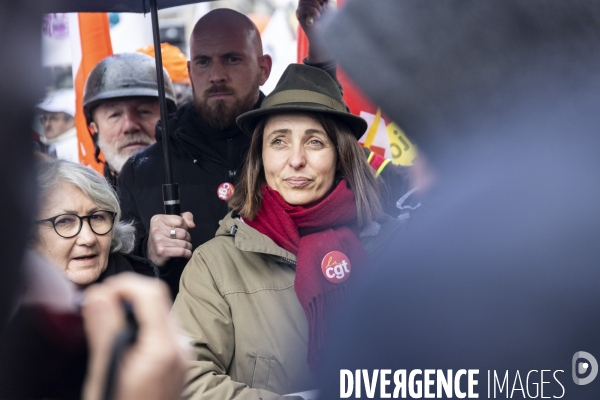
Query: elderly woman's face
(83, 257)
(298, 157)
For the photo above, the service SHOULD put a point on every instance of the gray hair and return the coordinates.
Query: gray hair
(54, 172)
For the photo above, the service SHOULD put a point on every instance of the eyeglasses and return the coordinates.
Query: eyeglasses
(69, 225)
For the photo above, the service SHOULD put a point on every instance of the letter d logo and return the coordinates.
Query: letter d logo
(583, 367)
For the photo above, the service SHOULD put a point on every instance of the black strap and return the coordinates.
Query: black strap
(122, 342)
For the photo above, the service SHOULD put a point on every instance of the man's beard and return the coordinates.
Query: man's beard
(116, 159)
(219, 114)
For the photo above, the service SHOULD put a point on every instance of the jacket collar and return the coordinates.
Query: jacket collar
(186, 116)
(63, 136)
(249, 239)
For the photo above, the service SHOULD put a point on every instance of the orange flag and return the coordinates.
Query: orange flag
(90, 43)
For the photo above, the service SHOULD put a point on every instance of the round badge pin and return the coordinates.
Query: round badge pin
(225, 191)
(336, 267)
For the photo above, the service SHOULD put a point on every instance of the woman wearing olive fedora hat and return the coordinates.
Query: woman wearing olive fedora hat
(259, 300)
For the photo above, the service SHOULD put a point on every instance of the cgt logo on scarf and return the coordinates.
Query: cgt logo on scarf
(336, 267)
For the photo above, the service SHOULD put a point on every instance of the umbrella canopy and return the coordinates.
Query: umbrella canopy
(136, 6)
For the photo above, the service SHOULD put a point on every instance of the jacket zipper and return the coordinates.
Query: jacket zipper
(289, 261)
(195, 159)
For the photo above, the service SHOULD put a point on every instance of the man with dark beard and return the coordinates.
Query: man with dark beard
(226, 68)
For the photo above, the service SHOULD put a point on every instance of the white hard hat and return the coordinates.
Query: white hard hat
(62, 100)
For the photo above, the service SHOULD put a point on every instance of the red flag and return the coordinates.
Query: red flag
(383, 136)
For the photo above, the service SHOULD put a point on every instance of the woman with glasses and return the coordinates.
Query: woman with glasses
(79, 228)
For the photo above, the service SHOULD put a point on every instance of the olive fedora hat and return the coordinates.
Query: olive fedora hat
(306, 89)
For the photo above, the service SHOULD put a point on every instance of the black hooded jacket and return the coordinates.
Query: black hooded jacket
(202, 158)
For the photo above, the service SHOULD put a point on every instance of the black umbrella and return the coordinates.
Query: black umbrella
(136, 6)
(170, 189)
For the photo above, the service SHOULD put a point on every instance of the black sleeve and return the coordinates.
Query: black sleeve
(129, 210)
(396, 181)
(171, 271)
(330, 67)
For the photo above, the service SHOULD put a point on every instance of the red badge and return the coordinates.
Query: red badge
(225, 191)
(336, 267)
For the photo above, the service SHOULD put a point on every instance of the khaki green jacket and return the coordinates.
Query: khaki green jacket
(238, 307)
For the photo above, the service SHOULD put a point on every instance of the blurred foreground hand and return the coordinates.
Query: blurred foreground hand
(154, 366)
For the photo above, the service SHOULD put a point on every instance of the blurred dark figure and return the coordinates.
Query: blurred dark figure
(502, 271)
(21, 88)
(42, 346)
(43, 352)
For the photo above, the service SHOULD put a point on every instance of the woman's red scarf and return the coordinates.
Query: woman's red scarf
(311, 233)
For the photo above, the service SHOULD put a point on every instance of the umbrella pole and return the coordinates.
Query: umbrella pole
(170, 189)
